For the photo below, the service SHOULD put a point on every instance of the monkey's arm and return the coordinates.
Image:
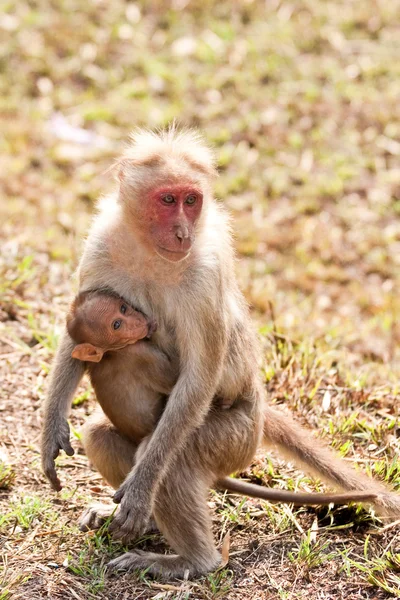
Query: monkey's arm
(65, 377)
(186, 409)
(297, 498)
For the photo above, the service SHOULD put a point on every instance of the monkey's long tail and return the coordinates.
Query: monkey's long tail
(298, 444)
(274, 495)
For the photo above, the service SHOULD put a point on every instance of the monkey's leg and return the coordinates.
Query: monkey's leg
(224, 443)
(113, 456)
(293, 441)
(182, 515)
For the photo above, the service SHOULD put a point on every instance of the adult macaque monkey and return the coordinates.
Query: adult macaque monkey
(162, 242)
(108, 330)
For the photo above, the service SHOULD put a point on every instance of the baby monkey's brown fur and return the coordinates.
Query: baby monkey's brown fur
(111, 335)
(163, 243)
(103, 323)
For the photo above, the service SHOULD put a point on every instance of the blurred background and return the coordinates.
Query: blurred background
(301, 100)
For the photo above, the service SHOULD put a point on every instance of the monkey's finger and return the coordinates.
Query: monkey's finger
(56, 485)
(117, 533)
(119, 494)
(118, 522)
(54, 455)
(125, 535)
(134, 526)
(68, 449)
(123, 525)
(51, 475)
(54, 481)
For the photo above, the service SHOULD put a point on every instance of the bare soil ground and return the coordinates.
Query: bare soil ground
(301, 101)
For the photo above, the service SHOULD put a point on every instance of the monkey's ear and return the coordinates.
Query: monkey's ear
(118, 169)
(126, 166)
(87, 353)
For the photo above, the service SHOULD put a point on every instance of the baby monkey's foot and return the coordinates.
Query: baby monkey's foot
(95, 516)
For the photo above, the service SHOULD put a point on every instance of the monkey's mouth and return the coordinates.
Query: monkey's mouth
(173, 255)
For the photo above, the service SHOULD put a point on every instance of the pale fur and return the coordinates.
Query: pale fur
(203, 317)
(185, 144)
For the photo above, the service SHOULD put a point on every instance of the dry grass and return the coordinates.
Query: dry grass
(301, 100)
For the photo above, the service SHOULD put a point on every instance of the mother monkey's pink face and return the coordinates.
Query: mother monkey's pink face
(172, 212)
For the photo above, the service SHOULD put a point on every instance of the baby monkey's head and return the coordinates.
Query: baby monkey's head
(100, 321)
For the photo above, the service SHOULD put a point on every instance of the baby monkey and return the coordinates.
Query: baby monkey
(108, 331)
(110, 335)
(101, 322)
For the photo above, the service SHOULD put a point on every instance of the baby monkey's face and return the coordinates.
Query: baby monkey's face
(112, 324)
(103, 322)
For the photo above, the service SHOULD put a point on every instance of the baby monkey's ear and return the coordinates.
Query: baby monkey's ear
(87, 352)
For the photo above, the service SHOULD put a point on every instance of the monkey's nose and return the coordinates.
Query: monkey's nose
(182, 233)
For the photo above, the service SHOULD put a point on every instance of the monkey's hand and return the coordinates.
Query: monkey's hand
(51, 446)
(132, 519)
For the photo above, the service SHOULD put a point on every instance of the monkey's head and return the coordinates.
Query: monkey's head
(165, 189)
(100, 321)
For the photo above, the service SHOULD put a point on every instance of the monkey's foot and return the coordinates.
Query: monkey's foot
(164, 566)
(95, 516)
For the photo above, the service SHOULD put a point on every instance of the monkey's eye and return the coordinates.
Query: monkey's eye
(191, 199)
(123, 308)
(117, 324)
(168, 199)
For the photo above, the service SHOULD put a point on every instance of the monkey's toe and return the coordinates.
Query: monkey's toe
(95, 516)
(163, 566)
(126, 562)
